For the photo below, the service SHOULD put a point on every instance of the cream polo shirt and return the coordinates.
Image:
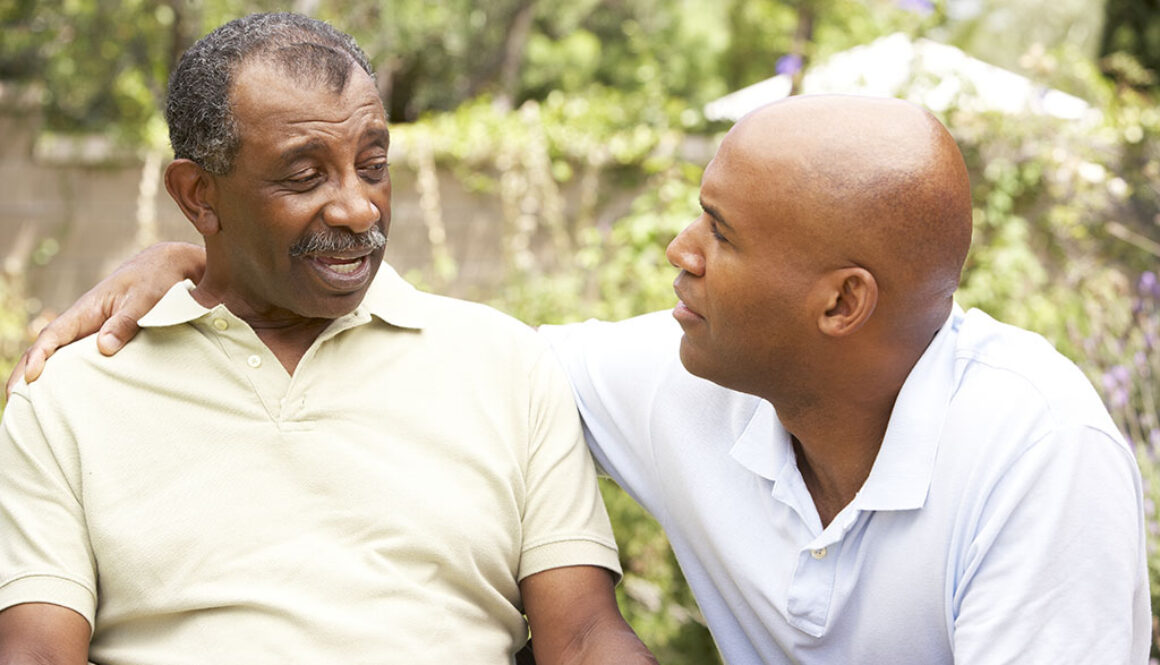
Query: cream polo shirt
(1002, 521)
(197, 504)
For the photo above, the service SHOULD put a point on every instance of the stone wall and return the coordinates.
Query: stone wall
(69, 212)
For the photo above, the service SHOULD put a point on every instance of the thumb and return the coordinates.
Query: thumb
(120, 328)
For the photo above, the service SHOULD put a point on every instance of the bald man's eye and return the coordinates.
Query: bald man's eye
(715, 231)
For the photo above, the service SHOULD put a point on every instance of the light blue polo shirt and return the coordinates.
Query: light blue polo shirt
(1002, 520)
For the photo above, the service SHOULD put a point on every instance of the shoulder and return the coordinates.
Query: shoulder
(79, 374)
(447, 314)
(637, 361)
(436, 317)
(478, 334)
(74, 363)
(1012, 383)
(649, 342)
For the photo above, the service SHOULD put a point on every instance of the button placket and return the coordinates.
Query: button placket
(249, 358)
(811, 591)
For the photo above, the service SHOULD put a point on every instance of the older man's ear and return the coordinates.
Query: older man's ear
(194, 189)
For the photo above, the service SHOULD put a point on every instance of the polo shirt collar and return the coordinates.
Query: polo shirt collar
(389, 298)
(902, 471)
(755, 451)
(394, 301)
(177, 306)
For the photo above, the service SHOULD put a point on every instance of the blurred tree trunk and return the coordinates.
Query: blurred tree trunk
(513, 52)
(503, 65)
(1132, 27)
(802, 37)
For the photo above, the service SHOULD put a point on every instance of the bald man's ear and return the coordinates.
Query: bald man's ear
(851, 294)
(193, 188)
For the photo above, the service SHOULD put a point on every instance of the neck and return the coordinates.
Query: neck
(836, 451)
(838, 420)
(287, 335)
(289, 342)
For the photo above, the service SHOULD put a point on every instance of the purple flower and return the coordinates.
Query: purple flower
(1122, 375)
(922, 7)
(1149, 285)
(1118, 399)
(1109, 382)
(1116, 382)
(789, 64)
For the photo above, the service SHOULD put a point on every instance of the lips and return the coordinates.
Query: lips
(682, 312)
(341, 266)
(341, 273)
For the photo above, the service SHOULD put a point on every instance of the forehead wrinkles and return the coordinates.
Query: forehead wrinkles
(267, 103)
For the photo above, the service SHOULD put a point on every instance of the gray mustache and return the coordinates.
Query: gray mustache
(325, 242)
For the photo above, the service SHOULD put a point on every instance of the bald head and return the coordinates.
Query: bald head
(877, 183)
(831, 240)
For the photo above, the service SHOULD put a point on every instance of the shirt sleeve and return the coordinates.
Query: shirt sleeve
(1056, 571)
(45, 554)
(617, 371)
(565, 522)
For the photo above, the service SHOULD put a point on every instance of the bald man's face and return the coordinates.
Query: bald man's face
(745, 274)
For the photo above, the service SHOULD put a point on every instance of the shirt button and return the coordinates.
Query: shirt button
(254, 361)
(818, 553)
(220, 324)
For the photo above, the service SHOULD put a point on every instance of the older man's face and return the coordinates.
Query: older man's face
(312, 166)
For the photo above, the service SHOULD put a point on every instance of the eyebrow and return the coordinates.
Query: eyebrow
(297, 151)
(715, 214)
(378, 135)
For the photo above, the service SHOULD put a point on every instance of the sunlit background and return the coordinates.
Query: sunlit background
(545, 151)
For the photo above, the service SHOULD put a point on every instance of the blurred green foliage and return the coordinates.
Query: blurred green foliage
(14, 331)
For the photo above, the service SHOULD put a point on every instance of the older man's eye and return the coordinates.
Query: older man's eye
(375, 170)
(303, 179)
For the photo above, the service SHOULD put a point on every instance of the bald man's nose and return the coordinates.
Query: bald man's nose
(684, 253)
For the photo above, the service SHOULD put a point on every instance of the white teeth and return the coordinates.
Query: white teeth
(345, 268)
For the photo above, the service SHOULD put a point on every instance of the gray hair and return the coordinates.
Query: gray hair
(202, 126)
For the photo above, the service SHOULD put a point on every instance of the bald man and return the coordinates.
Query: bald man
(850, 468)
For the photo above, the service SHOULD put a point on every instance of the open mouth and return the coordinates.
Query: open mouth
(342, 266)
(342, 273)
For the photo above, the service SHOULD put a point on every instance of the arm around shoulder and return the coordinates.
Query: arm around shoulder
(574, 619)
(114, 305)
(43, 634)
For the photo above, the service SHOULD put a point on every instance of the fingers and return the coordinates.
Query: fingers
(74, 324)
(113, 306)
(119, 329)
(17, 372)
(61, 331)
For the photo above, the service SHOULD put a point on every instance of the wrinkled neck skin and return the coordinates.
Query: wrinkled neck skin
(287, 335)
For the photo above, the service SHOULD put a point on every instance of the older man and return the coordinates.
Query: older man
(293, 465)
(850, 468)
